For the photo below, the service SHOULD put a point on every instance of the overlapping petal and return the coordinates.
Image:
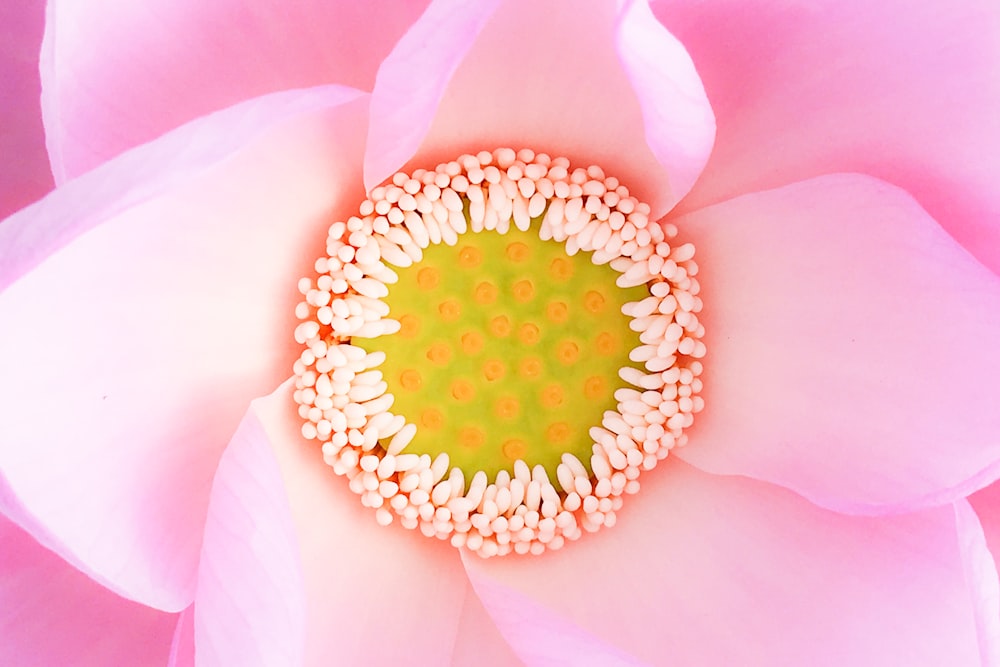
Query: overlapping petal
(581, 79)
(477, 640)
(151, 333)
(24, 171)
(52, 614)
(852, 347)
(182, 646)
(710, 570)
(981, 577)
(251, 602)
(372, 595)
(905, 92)
(118, 74)
(987, 506)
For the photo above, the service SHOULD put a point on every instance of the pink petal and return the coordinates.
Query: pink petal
(852, 353)
(987, 506)
(250, 607)
(981, 576)
(24, 168)
(53, 614)
(30, 236)
(579, 79)
(539, 635)
(708, 570)
(904, 91)
(116, 74)
(373, 595)
(152, 331)
(478, 641)
(182, 646)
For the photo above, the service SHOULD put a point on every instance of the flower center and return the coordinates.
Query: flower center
(508, 349)
(502, 389)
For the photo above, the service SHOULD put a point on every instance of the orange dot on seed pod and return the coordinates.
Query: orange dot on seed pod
(500, 326)
(472, 342)
(471, 437)
(557, 311)
(514, 449)
(607, 343)
(530, 367)
(432, 419)
(450, 310)
(529, 333)
(507, 407)
(493, 369)
(567, 352)
(594, 387)
(485, 293)
(469, 257)
(428, 278)
(593, 301)
(410, 380)
(517, 252)
(552, 396)
(557, 432)
(409, 325)
(524, 291)
(463, 390)
(561, 268)
(439, 353)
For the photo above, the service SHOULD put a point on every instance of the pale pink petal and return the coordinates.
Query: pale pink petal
(539, 635)
(24, 168)
(981, 577)
(118, 74)
(251, 604)
(413, 78)
(987, 506)
(129, 354)
(478, 641)
(580, 79)
(373, 595)
(53, 614)
(904, 91)
(852, 347)
(182, 646)
(33, 234)
(710, 570)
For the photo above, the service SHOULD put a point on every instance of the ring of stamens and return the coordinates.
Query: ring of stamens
(344, 401)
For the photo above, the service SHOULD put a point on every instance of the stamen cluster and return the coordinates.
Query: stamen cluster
(344, 401)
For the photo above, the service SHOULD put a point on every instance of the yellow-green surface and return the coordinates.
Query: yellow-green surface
(509, 349)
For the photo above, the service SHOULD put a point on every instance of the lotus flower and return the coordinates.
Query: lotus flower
(834, 162)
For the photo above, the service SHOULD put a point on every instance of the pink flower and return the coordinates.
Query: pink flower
(848, 230)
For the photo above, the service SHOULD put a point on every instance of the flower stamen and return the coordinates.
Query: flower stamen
(417, 223)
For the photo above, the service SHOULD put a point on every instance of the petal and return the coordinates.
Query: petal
(987, 506)
(24, 169)
(53, 614)
(182, 646)
(582, 80)
(250, 607)
(373, 595)
(478, 641)
(30, 236)
(116, 75)
(154, 330)
(904, 92)
(709, 570)
(981, 575)
(852, 347)
(539, 635)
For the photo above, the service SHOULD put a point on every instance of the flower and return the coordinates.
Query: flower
(846, 225)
